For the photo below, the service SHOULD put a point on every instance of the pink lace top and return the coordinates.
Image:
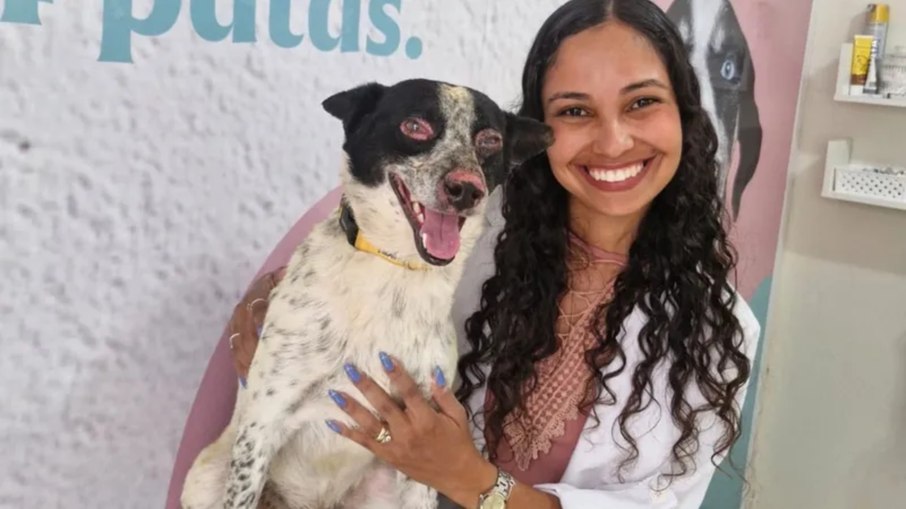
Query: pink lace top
(539, 442)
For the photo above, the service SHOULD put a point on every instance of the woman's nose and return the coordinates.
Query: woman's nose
(612, 139)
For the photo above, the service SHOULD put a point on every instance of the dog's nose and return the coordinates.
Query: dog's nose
(464, 190)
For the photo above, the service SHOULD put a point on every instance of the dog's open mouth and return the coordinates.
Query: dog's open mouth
(436, 233)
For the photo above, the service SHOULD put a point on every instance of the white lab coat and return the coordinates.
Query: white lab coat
(590, 480)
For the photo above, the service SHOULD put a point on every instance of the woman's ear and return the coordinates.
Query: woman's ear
(525, 138)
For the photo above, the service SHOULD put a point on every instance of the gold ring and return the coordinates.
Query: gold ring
(251, 305)
(384, 436)
(232, 337)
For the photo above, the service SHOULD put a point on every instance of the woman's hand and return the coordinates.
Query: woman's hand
(433, 447)
(247, 320)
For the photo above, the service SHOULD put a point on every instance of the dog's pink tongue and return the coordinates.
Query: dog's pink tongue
(440, 233)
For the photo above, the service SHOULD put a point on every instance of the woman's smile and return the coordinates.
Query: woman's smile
(615, 177)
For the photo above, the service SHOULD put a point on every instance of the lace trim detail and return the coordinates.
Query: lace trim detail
(563, 377)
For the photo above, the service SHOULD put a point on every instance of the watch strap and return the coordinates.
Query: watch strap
(502, 487)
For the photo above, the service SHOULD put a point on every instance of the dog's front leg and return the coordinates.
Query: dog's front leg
(270, 417)
(257, 441)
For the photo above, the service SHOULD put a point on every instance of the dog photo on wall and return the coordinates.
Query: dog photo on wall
(720, 55)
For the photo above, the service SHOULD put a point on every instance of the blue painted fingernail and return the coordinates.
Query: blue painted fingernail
(337, 398)
(242, 382)
(333, 425)
(439, 378)
(352, 373)
(386, 361)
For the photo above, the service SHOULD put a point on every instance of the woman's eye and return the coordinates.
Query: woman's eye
(643, 102)
(573, 112)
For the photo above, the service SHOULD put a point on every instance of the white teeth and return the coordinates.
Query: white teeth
(618, 175)
(424, 239)
(419, 212)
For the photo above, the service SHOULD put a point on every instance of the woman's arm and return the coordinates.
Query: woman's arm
(247, 320)
(467, 488)
(430, 446)
(522, 496)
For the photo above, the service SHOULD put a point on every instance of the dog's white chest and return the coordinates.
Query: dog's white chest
(396, 311)
(334, 310)
(331, 317)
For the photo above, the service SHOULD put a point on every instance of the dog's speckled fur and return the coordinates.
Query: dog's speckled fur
(337, 305)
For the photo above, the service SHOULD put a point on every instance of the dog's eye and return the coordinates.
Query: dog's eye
(728, 70)
(417, 129)
(731, 68)
(489, 141)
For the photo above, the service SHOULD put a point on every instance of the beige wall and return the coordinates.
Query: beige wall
(831, 425)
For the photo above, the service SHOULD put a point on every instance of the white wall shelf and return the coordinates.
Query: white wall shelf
(839, 158)
(843, 75)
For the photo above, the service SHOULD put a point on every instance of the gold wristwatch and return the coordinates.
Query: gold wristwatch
(496, 497)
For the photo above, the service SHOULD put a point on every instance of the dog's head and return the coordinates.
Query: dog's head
(422, 158)
(720, 54)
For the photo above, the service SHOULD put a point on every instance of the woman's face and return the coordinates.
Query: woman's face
(616, 123)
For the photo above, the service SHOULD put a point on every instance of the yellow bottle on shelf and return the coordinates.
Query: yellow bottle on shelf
(859, 67)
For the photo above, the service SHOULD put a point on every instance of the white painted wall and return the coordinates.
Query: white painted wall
(137, 201)
(831, 432)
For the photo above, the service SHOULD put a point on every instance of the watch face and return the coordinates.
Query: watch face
(494, 501)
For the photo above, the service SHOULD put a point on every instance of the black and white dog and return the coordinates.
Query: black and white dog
(720, 55)
(379, 275)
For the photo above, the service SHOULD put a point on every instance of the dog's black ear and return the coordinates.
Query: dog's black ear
(350, 105)
(750, 138)
(526, 138)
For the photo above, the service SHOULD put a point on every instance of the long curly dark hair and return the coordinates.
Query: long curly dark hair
(678, 273)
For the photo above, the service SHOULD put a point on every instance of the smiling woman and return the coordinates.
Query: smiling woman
(664, 339)
(619, 137)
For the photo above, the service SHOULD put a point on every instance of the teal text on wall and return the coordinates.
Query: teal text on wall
(370, 26)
